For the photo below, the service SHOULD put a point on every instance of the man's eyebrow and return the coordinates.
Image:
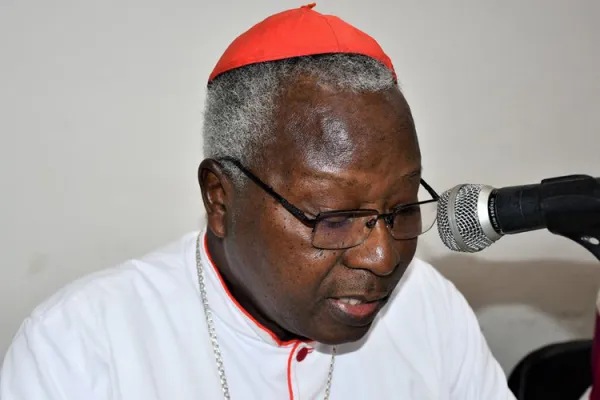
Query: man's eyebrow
(411, 175)
(414, 174)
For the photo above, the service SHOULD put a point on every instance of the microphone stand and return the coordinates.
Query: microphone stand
(571, 208)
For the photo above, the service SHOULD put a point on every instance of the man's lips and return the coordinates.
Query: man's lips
(356, 310)
(361, 298)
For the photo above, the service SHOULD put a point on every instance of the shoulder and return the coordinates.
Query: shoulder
(441, 315)
(69, 340)
(160, 272)
(75, 329)
(425, 283)
(428, 307)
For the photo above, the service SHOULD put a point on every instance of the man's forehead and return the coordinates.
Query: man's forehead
(338, 125)
(335, 136)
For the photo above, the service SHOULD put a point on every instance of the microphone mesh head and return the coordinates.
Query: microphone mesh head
(458, 220)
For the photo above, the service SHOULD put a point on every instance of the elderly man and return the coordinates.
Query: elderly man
(304, 283)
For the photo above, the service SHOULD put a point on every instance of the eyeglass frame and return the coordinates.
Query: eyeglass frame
(312, 222)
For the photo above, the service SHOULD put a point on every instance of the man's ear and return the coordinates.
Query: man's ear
(217, 191)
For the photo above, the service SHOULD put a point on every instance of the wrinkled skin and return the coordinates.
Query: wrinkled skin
(331, 151)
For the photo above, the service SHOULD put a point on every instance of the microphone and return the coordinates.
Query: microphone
(471, 217)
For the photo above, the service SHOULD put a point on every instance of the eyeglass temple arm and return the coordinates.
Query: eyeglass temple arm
(430, 189)
(286, 204)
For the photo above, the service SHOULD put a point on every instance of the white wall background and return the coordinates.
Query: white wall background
(100, 116)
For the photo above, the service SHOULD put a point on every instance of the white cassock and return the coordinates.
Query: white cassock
(138, 332)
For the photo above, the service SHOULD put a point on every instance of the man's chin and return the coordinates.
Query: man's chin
(348, 334)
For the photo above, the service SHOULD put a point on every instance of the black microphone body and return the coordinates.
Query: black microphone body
(569, 202)
(472, 217)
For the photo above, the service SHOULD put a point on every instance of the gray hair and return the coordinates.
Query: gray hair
(240, 103)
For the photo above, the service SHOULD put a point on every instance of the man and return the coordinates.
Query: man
(304, 283)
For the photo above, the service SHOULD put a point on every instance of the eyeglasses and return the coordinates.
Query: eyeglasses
(335, 230)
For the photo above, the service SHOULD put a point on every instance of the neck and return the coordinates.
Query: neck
(239, 291)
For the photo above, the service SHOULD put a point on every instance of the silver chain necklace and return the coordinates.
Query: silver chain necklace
(213, 333)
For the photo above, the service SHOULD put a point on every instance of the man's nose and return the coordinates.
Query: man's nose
(378, 253)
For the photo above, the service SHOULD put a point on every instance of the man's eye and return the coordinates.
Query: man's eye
(336, 222)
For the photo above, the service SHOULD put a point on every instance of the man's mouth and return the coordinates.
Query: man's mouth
(352, 302)
(356, 310)
(355, 299)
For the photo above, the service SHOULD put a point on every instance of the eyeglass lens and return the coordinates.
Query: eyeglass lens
(344, 230)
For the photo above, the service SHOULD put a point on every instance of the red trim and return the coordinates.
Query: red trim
(246, 313)
(289, 370)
